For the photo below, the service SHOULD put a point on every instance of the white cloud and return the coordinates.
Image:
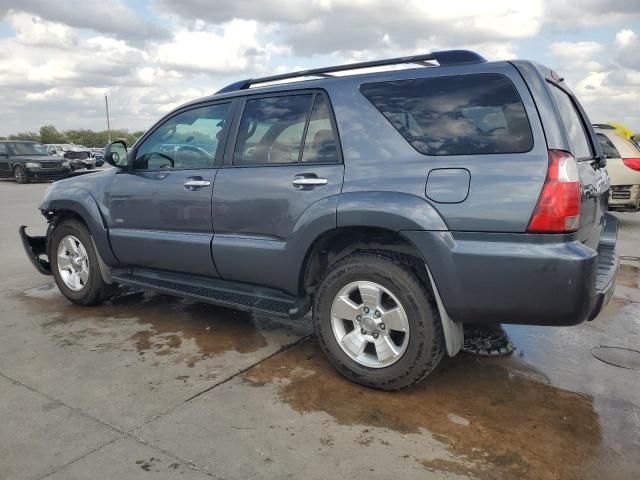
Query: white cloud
(625, 37)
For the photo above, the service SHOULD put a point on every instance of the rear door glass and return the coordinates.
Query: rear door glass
(607, 147)
(572, 124)
(271, 130)
(455, 115)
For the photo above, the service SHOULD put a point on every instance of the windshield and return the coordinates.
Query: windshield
(19, 148)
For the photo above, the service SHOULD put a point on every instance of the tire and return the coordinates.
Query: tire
(20, 174)
(93, 289)
(397, 278)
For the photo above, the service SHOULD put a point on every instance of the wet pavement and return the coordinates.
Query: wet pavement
(150, 385)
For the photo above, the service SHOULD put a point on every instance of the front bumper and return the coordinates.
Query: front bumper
(47, 173)
(531, 279)
(35, 248)
(624, 198)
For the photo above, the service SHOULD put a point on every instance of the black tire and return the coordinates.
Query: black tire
(426, 341)
(96, 289)
(20, 174)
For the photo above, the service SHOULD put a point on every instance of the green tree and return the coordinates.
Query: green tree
(33, 136)
(50, 134)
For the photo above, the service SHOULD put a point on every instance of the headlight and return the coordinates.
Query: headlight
(32, 165)
(66, 164)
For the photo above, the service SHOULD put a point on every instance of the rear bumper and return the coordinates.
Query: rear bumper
(530, 279)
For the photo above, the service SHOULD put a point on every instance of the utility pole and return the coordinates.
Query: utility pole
(106, 104)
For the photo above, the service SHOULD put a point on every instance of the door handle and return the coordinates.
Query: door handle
(197, 183)
(309, 182)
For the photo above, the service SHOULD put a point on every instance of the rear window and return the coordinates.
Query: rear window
(607, 147)
(457, 115)
(572, 124)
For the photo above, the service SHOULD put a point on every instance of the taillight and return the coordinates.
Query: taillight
(632, 163)
(558, 208)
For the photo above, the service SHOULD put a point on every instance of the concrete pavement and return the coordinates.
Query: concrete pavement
(148, 386)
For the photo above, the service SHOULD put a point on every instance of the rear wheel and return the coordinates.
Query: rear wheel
(377, 322)
(20, 174)
(74, 264)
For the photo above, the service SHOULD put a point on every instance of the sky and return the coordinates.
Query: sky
(59, 58)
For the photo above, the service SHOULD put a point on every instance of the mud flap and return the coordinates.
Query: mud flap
(453, 332)
(35, 248)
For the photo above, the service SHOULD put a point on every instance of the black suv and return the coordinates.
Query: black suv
(396, 206)
(26, 161)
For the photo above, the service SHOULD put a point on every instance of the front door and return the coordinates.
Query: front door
(160, 206)
(285, 164)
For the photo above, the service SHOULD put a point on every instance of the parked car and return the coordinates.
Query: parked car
(623, 166)
(27, 161)
(97, 153)
(79, 156)
(395, 205)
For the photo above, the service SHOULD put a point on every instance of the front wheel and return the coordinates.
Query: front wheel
(377, 321)
(74, 264)
(20, 174)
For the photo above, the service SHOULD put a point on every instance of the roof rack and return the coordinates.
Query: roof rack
(446, 57)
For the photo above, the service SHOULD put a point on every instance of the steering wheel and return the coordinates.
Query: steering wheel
(192, 148)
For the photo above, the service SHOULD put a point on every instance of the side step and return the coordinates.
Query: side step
(240, 296)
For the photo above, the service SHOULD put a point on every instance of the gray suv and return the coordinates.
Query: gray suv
(395, 205)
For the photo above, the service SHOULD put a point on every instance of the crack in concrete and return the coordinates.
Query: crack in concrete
(131, 433)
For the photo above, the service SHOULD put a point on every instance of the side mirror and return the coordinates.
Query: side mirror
(116, 154)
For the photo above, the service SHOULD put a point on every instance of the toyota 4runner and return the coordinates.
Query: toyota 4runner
(395, 205)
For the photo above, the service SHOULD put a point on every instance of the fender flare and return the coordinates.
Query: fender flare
(82, 203)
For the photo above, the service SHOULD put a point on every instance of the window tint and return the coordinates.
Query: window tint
(457, 115)
(3, 149)
(321, 144)
(607, 147)
(188, 140)
(271, 130)
(572, 124)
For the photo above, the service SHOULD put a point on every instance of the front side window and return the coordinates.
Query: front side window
(607, 147)
(456, 115)
(188, 140)
(3, 149)
(572, 124)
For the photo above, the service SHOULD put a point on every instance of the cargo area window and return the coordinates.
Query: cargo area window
(574, 127)
(456, 115)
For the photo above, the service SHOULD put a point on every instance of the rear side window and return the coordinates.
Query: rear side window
(457, 115)
(286, 130)
(607, 147)
(572, 124)
(271, 130)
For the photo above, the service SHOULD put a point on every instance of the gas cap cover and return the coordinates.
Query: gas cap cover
(448, 185)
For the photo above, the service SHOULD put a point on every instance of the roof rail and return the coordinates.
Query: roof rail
(446, 57)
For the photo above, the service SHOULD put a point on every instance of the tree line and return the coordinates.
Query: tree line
(88, 138)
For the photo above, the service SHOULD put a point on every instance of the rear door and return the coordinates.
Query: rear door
(593, 176)
(283, 162)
